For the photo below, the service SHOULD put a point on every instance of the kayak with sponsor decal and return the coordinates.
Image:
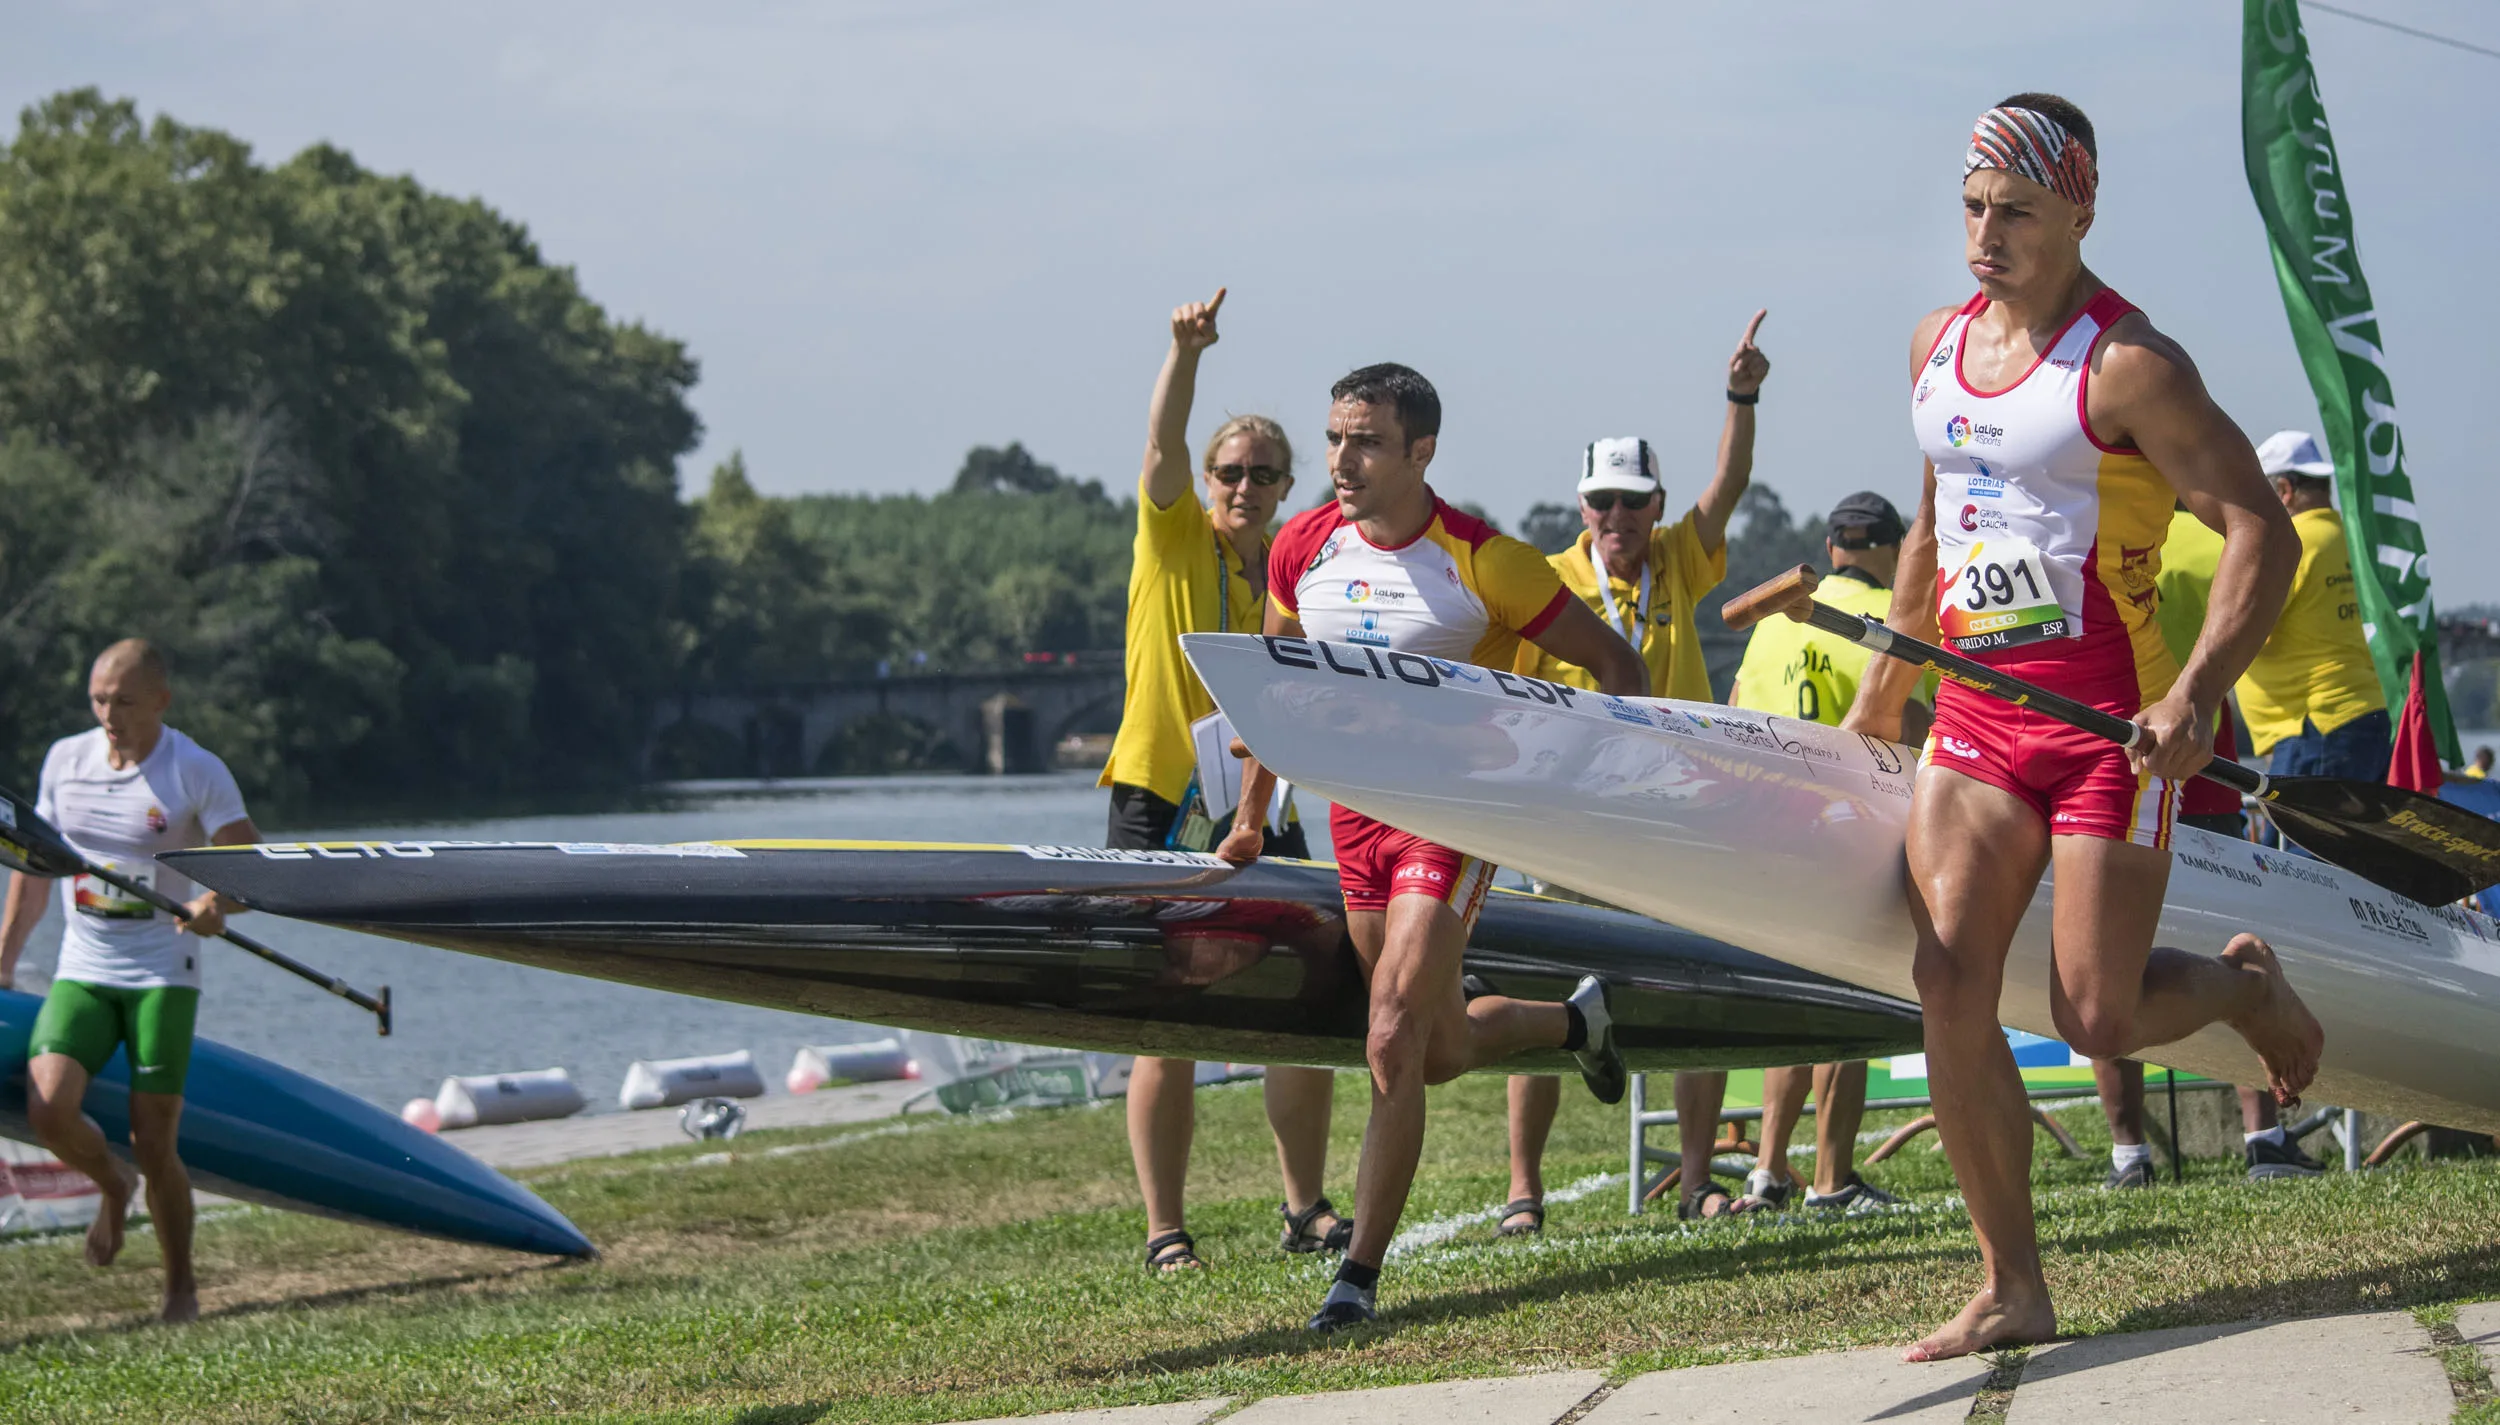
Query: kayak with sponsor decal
(1785, 838)
(263, 1133)
(1168, 953)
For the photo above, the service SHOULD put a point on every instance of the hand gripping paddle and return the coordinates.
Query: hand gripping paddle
(30, 844)
(2415, 845)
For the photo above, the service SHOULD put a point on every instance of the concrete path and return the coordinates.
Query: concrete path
(2358, 1370)
(2377, 1368)
(604, 1135)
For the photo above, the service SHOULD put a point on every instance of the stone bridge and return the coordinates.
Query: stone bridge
(1003, 720)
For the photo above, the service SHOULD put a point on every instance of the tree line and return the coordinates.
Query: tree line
(399, 499)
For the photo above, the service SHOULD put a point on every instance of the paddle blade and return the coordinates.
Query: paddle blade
(2418, 846)
(28, 844)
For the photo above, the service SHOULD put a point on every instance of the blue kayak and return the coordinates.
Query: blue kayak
(264, 1133)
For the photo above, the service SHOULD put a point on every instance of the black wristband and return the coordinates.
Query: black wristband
(1747, 399)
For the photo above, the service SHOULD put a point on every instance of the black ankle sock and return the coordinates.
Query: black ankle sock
(1578, 1037)
(1355, 1274)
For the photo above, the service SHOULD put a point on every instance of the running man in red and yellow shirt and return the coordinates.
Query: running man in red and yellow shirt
(2059, 426)
(1388, 566)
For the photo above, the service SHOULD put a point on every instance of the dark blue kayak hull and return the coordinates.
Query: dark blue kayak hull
(264, 1133)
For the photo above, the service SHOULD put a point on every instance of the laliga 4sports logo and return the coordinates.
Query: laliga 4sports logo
(1960, 432)
(1358, 591)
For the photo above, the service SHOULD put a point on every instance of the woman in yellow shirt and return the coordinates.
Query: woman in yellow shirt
(1201, 569)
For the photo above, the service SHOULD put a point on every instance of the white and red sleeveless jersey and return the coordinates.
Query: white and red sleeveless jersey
(2047, 540)
(1460, 591)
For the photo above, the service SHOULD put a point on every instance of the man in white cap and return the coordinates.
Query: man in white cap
(2312, 698)
(1654, 576)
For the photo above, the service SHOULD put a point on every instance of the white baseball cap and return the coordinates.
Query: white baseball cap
(1620, 463)
(2293, 452)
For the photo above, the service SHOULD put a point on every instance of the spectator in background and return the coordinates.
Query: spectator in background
(1645, 578)
(1796, 670)
(1201, 569)
(2480, 767)
(2312, 697)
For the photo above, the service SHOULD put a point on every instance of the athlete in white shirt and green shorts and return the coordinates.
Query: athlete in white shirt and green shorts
(128, 975)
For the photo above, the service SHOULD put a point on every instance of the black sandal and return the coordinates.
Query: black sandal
(1532, 1208)
(1174, 1251)
(1298, 1236)
(1689, 1209)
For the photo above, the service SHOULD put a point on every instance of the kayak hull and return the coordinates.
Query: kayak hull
(264, 1133)
(1161, 953)
(1785, 838)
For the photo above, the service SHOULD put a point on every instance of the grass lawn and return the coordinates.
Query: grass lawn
(954, 1269)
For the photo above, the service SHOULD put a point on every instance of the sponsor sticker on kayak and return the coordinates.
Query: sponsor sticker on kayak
(1126, 858)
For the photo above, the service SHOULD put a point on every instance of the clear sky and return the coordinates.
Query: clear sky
(893, 231)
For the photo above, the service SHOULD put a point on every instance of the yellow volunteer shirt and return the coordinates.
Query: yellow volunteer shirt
(2315, 664)
(1176, 585)
(2190, 554)
(1797, 670)
(1680, 572)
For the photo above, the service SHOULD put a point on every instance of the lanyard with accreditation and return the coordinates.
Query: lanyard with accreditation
(1215, 788)
(1614, 611)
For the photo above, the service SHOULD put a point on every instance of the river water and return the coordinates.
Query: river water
(459, 1014)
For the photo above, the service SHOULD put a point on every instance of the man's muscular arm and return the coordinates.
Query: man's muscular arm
(1889, 681)
(2145, 392)
(1582, 639)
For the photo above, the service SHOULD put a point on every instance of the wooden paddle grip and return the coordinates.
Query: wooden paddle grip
(1791, 593)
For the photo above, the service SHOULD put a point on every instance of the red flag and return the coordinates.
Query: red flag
(2415, 766)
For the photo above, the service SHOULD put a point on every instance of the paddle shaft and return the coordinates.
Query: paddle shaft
(379, 1007)
(1979, 677)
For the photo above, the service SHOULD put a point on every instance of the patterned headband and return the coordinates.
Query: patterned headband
(2030, 144)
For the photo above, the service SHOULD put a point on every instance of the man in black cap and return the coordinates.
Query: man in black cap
(1794, 670)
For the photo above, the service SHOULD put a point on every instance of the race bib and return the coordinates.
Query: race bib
(2000, 598)
(110, 902)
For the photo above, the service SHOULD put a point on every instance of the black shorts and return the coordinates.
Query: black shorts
(1142, 821)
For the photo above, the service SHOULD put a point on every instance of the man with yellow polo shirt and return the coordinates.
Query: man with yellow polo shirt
(1796, 670)
(1645, 578)
(1201, 569)
(2312, 697)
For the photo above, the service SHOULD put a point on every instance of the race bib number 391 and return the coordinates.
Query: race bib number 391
(2000, 598)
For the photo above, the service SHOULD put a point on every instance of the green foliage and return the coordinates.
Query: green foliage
(1763, 540)
(1551, 528)
(395, 496)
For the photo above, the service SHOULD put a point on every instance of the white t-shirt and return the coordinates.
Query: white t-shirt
(120, 819)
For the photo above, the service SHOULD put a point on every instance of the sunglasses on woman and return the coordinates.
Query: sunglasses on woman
(1604, 500)
(1259, 475)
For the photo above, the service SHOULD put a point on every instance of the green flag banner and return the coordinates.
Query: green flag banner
(2299, 186)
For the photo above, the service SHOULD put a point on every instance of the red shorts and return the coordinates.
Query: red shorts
(1376, 861)
(2080, 785)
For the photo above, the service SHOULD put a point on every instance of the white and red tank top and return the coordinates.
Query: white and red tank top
(2047, 540)
(1460, 590)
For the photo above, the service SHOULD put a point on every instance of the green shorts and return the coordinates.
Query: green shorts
(88, 1022)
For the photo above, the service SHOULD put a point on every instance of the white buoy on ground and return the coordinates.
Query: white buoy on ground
(875, 1061)
(468, 1100)
(665, 1083)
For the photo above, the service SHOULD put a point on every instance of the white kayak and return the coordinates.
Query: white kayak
(1785, 838)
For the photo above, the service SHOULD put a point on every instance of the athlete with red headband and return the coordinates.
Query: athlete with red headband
(1388, 566)
(2058, 427)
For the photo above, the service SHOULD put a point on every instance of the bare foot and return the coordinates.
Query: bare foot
(182, 1305)
(104, 1235)
(1984, 1326)
(2282, 1031)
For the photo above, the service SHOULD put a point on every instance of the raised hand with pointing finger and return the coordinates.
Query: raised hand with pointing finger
(1193, 323)
(1748, 366)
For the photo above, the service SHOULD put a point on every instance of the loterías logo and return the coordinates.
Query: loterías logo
(1357, 590)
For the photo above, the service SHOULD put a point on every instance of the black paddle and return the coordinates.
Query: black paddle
(2415, 845)
(30, 844)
